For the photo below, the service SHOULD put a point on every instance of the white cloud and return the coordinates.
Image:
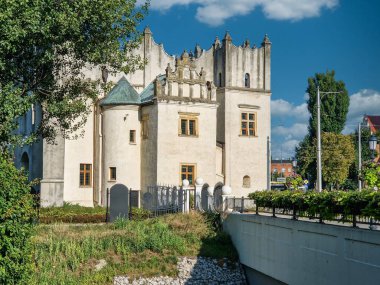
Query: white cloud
(283, 149)
(366, 101)
(295, 131)
(216, 12)
(282, 108)
(286, 137)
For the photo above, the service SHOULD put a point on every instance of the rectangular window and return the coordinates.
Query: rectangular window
(248, 124)
(85, 174)
(188, 126)
(188, 171)
(144, 126)
(132, 136)
(112, 173)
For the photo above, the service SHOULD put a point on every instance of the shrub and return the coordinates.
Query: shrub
(140, 214)
(16, 227)
(327, 204)
(371, 174)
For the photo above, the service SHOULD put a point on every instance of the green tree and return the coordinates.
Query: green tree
(337, 157)
(334, 109)
(371, 174)
(45, 46)
(16, 224)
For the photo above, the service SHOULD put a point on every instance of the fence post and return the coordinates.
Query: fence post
(294, 213)
(242, 204)
(371, 223)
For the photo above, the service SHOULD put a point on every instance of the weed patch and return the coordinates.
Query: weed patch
(67, 254)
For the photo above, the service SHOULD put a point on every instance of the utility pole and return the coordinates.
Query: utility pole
(360, 154)
(268, 164)
(319, 150)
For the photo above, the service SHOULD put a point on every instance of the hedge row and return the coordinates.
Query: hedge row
(79, 214)
(326, 205)
(72, 214)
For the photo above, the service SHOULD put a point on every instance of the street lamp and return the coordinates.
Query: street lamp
(319, 148)
(372, 145)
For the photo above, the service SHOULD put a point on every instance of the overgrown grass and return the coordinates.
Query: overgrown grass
(67, 254)
(72, 214)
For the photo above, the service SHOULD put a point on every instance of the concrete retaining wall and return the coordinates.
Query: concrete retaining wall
(296, 252)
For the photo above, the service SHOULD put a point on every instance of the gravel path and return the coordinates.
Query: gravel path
(195, 271)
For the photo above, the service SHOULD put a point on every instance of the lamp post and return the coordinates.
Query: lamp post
(319, 148)
(360, 154)
(372, 145)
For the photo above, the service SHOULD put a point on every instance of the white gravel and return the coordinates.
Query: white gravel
(195, 271)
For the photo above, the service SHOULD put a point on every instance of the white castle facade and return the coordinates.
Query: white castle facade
(205, 115)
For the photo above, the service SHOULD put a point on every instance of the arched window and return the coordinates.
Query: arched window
(246, 181)
(247, 82)
(220, 79)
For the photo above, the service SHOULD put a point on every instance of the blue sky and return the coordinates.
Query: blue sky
(307, 36)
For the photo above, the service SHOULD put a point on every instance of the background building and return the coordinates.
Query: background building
(281, 168)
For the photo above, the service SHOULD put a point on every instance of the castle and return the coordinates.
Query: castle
(204, 114)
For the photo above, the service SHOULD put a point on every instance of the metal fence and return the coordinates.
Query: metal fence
(240, 204)
(157, 200)
(244, 205)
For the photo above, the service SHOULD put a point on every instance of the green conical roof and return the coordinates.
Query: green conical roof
(122, 94)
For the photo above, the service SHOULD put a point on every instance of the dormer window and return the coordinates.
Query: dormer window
(247, 82)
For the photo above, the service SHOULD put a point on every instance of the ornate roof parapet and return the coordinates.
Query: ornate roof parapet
(266, 41)
(147, 30)
(246, 44)
(227, 37)
(216, 42)
(185, 84)
(197, 51)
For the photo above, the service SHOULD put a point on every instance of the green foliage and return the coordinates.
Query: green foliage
(334, 107)
(16, 216)
(371, 174)
(139, 214)
(214, 221)
(294, 181)
(306, 154)
(67, 254)
(45, 46)
(12, 106)
(72, 214)
(337, 157)
(327, 204)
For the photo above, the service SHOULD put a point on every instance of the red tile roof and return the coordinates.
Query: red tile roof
(374, 123)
